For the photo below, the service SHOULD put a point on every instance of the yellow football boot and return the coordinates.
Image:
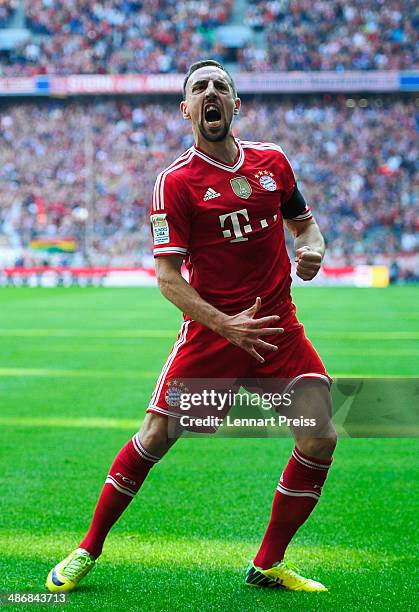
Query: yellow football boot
(65, 576)
(281, 575)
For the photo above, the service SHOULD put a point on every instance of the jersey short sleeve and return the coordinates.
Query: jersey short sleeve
(170, 219)
(293, 205)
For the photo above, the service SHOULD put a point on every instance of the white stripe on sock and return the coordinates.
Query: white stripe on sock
(110, 480)
(141, 450)
(308, 462)
(285, 491)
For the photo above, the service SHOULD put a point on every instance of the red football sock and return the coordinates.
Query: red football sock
(298, 492)
(126, 475)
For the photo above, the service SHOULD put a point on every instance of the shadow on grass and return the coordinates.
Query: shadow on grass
(136, 586)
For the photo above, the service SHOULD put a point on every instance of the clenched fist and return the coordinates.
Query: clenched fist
(308, 263)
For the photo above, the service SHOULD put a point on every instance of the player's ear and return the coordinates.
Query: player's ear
(184, 110)
(237, 106)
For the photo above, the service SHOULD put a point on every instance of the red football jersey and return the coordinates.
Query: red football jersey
(226, 221)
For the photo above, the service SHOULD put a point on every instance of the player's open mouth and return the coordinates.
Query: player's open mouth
(212, 116)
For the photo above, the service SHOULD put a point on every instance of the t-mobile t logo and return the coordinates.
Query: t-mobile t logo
(238, 230)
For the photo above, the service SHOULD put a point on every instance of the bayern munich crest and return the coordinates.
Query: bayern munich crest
(266, 180)
(174, 391)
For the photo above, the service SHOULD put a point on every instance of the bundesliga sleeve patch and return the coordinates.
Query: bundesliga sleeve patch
(160, 229)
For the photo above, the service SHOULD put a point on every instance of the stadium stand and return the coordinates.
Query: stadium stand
(355, 159)
(324, 35)
(122, 36)
(7, 8)
(80, 171)
(153, 36)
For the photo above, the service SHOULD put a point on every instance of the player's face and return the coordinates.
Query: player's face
(210, 103)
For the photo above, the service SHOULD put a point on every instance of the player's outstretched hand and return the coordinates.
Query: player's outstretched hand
(244, 330)
(308, 262)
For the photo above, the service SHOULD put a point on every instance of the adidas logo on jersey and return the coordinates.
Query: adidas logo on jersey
(211, 193)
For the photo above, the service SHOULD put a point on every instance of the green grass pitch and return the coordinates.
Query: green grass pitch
(77, 367)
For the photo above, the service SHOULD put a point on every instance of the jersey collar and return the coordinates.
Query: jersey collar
(219, 164)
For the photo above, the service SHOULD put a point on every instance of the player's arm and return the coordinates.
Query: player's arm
(308, 240)
(309, 247)
(171, 226)
(241, 329)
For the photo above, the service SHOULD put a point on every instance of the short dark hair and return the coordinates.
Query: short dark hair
(202, 64)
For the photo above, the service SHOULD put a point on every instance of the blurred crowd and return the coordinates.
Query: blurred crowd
(338, 35)
(7, 8)
(118, 36)
(151, 36)
(86, 170)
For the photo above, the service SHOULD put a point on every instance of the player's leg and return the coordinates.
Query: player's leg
(299, 488)
(196, 351)
(127, 473)
(297, 364)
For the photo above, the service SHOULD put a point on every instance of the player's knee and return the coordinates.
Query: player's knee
(154, 434)
(322, 448)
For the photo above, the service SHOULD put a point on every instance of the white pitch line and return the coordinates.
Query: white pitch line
(94, 346)
(108, 423)
(356, 351)
(134, 375)
(88, 333)
(154, 333)
(368, 335)
(336, 375)
(49, 372)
